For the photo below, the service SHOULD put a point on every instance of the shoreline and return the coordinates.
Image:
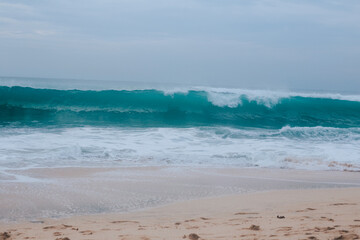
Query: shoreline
(275, 214)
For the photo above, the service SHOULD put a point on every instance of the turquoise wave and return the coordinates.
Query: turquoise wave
(155, 108)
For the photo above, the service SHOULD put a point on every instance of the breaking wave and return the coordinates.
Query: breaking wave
(190, 108)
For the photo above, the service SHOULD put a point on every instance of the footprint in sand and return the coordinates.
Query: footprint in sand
(193, 236)
(254, 227)
(190, 220)
(247, 235)
(193, 227)
(281, 229)
(306, 210)
(245, 213)
(86, 232)
(49, 227)
(63, 226)
(329, 228)
(342, 204)
(324, 229)
(347, 237)
(123, 221)
(56, 234)
(312, 238)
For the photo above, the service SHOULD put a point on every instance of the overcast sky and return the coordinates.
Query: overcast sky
(245, 43)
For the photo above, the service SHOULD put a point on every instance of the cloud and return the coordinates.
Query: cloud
(17, 6)
(23, 21)
(115, 20)
(279, 41)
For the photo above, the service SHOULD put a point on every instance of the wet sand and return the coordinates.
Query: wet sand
(284, 214)
(177, 203)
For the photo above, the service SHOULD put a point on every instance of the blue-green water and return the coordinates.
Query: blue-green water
(155, 108)
(49, 125)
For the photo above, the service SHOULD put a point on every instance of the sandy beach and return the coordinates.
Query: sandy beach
(285, 214)
(233, 204)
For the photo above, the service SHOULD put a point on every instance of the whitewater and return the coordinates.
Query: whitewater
(91, 124)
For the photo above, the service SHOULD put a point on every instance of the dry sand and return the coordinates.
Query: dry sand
(282, 214)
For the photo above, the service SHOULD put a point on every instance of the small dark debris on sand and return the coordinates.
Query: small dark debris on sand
(65, 238)
(254, 227)
(280, 217)
(193, 236)
(4, 236)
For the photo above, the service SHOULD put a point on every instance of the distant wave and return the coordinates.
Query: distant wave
(177, 108)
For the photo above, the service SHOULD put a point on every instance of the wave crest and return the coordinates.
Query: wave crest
(182, 109)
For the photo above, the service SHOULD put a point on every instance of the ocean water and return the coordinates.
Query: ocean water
(57, 123)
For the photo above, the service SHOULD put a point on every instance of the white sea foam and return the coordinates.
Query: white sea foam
(89, 146)
(234, 97)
